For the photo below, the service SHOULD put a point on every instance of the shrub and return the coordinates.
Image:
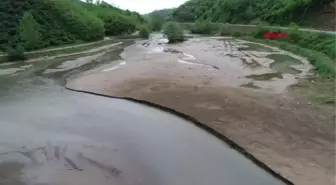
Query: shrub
(203, 27)
(174, 32)
(156, 22)
(77, 20)
(29, 32)
(144, 32)
(116, 24)
(15, 54)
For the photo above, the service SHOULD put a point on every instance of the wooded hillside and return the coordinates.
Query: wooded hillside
(280, 12)
(27, 25)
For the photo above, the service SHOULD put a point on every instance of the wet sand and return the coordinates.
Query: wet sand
(207, 79)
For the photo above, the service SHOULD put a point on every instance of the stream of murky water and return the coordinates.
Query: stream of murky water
(50, 135)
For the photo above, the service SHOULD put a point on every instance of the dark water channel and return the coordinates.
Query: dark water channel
(50, 135)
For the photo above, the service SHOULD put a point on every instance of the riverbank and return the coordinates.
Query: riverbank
(64, 51)
(234, 92)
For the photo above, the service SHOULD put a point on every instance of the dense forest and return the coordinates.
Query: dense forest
(158, 17)
(280, 12)
(27, 25)
(162, 13)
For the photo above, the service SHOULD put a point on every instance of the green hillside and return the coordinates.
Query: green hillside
(280, 12)
(162, 13)
(27, 25)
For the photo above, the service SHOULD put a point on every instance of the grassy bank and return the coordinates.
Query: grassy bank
(68, 49)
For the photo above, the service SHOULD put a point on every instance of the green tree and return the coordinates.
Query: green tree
(280, 12)
(173, 32)
(144, 32)
(156, 22)
(29, 32)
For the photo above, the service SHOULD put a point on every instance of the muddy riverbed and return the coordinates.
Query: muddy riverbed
(236, 88)
(51, 135)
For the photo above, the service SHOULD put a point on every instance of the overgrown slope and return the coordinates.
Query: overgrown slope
(33, 24)
(281, 12)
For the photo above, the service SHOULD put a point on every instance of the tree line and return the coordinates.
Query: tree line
(27, 25)
(280, 12)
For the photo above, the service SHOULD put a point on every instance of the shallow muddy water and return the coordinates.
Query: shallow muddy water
(50, 135)
(225, 61)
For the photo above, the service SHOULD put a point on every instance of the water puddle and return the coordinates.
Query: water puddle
(112, 68)
(74, 63)
(115, 67)
(188, 57)
(250, 62)
(10, 71)
(250, 85)
(254, 47)
(10, 173)
(282, 63)
(170, 50)
(6, 64)
(265, 76)
(185, 62)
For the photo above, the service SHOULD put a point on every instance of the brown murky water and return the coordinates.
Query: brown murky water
(237, 92)
(212, 60)
(50, 135)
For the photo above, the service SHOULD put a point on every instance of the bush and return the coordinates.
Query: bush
(174, 32)
(76, 19)
(237, 34)
(29, 32)
(118, 24)
(203, 27)
(156, 22)
(116, 21)
(144, 32)
(15, 54)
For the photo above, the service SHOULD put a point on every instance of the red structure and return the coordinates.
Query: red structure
(272, 35)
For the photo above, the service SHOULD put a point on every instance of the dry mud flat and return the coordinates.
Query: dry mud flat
(236, 88)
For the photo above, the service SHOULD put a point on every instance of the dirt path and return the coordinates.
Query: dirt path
(203, 78)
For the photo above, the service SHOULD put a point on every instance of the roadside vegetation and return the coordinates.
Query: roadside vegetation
(33, 24)
(173, 32)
